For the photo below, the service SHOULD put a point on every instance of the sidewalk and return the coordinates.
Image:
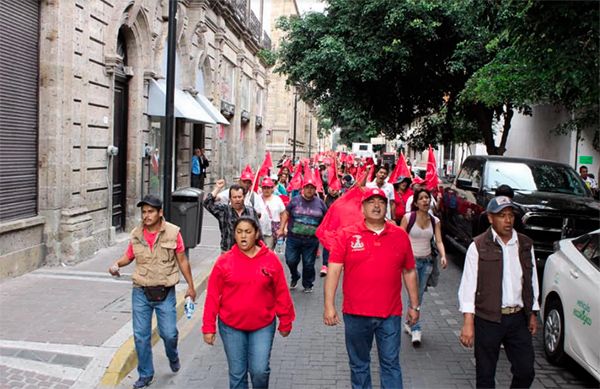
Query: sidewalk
(64, 327)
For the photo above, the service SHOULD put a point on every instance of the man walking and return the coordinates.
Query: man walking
(199, 165)
(228, 212)
(375, 255)
(157, 247)
(498, 297)
(381, 173)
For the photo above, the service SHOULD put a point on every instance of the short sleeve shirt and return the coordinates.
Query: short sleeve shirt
(373, 268)
(305, 215)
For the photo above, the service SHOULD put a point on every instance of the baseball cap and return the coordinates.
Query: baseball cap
(246, 176)
(150, 200)
(498, 203)
(267, 182)
(373, 192)
(309, 181)
(418, 180)
(401, 179)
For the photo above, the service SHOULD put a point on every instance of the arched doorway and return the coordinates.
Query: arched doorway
(120, 113)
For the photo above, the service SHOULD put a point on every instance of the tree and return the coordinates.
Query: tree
(379, 65)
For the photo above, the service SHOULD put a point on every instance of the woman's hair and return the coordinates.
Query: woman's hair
(416, 197)
(247, 219)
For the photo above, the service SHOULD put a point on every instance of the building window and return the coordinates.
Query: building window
(228, 82)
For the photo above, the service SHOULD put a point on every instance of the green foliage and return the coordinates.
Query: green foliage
(377, 66)
(267, 56)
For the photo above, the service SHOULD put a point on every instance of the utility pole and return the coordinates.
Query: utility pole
(169, 110)
(295, 114)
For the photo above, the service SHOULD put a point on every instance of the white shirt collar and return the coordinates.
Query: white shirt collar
(496, 238)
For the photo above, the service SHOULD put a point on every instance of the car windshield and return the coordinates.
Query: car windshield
(534, 177)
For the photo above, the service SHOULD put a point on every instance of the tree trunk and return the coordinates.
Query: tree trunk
(484, 117)
(507, 115)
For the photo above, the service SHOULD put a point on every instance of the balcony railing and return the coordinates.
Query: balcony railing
(240, 10)
(254, 26)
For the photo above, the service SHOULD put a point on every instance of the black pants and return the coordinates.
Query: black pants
(514, 333)
(198, 181)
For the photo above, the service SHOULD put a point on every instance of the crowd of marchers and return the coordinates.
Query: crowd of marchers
(375, 227)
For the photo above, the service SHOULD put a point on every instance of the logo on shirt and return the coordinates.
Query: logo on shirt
(357, 244)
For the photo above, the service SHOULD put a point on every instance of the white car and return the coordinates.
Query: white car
(571, 302)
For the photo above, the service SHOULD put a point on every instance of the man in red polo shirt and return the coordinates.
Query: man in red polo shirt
(375, 255)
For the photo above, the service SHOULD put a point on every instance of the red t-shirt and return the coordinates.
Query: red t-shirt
(247, 293)
(150, 238)
(400, 201)
(373, 267)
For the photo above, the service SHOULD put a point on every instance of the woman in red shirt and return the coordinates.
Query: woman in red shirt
(402, 192)
(246, 290)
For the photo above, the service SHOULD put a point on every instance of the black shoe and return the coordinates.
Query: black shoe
(293, 284)
(142, 382)
(175, 366)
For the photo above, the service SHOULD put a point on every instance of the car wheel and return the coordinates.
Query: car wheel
(554, 333)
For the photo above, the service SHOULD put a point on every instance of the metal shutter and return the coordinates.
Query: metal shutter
(19, 29)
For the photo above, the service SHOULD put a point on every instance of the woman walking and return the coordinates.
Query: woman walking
(421, 227)
(246, 290)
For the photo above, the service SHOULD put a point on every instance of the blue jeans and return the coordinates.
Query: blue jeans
(325, 256)
(248, 352)
(166, 317)
(305, 249)
(424, 269)
(359, 340)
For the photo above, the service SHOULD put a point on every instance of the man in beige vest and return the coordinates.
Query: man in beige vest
(498, 297)
(159, 253)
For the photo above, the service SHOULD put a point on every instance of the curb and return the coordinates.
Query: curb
(124, 360)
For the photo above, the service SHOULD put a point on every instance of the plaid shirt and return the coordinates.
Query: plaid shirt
(227, 216)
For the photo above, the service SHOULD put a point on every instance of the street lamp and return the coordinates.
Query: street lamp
(169, 109)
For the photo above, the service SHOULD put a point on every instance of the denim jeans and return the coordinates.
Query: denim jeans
(166, 317)
(305, 249)
(325, 256)
(248, 352)
(359, 340)
(424, 269)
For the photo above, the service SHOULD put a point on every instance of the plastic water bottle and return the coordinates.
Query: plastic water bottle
(190, 307)
(279, 246)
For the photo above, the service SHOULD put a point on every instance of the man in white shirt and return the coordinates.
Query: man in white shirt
(498, 296)
(381, 173)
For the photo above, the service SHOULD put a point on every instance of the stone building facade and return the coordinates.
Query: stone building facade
(102, 65)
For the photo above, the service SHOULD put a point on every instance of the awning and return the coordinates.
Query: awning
(214, 112)
(186, 106)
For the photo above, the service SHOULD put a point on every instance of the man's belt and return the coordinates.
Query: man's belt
(510, 310)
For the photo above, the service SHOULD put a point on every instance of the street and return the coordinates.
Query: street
(314, 355)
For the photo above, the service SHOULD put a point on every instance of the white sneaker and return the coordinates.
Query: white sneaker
(416, 338)
(407, 328)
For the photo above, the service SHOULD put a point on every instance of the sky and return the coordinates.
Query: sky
(310, 5)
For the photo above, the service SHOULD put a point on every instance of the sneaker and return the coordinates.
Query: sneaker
(407, 328)
(323, 272)
(293, 284)
(308, 290)
(416, 338)
(175, 366)
(142, 382)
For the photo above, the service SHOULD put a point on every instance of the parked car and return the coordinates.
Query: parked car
(571, 302)
(553, 200)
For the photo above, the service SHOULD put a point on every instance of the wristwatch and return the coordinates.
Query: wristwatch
(417, 308)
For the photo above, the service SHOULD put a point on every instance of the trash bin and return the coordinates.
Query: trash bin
(187, 212)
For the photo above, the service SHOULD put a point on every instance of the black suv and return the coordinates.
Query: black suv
(554, 201)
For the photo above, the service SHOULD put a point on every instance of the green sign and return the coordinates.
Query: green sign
(586, 160)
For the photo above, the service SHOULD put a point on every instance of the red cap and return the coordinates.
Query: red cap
(247, 176)
(309, 181)
(373, 192)
(267, 182)
(418, 180)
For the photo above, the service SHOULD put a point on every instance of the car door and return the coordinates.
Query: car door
(582, 301)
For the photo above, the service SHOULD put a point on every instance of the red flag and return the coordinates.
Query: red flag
(296, 182)
(332, 176)
(221, 131)
(343, 212)
(266, 166)
(318, 180)
(401, 170)
(288, 164)
(431, 177)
